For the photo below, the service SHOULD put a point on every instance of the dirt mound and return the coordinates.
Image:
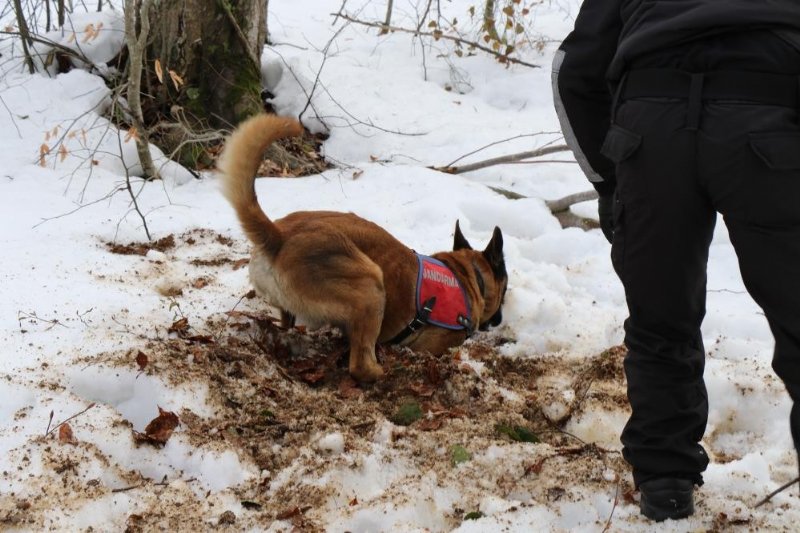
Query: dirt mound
(277, 391)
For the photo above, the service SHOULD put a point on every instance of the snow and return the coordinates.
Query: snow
(70, 310)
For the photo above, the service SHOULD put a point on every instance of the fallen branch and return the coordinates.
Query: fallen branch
(560, 207)
(438, 35)
(562, 204)
(512, 158)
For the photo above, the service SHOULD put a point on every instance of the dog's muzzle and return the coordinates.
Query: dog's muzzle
(493, 321)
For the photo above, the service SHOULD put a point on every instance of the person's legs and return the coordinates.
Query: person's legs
(751, 155)
(663, 230)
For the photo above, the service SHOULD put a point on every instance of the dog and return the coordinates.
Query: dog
(327, 267)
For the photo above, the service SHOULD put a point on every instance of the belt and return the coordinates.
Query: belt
(747, 86)
(761, 87)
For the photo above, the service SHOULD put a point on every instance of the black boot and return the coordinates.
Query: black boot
(667, 497)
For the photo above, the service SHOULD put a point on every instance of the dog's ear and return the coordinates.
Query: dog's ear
(459, 241)
(494, 253)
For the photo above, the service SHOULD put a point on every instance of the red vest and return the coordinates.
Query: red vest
(451, 308)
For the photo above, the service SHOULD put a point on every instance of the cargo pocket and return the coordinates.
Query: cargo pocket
(779, 150)
(620, 144)
(774, 188)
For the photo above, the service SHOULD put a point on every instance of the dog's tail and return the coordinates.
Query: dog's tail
(238, 165)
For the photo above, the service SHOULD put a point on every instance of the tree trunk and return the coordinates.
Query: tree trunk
(208, 52)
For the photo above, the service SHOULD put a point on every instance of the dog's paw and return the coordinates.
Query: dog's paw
(366, 373)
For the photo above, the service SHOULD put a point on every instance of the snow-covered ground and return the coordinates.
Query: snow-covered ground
(74, 315)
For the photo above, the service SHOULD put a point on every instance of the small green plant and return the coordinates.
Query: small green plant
(459, 454)
(407, 414)
(516, 433)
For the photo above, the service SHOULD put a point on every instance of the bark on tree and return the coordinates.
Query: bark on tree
(208, 52)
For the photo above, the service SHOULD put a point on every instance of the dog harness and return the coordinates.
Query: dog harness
(441, 300)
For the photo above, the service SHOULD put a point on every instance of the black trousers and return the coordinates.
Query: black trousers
(679, 164)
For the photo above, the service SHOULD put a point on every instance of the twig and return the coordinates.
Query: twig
(134, 197)
(613, 507)
(25, 34)
(162, 483)
(339, 13)
(437, 36)
(106, 197)
(50, 421)
(776, 491)
(512, 158)
(495, 143)
(22, 315)
(68, 419)
(322, 66)
(11, 115)
(367, 123)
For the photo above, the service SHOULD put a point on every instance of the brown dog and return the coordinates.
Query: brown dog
(337, 268)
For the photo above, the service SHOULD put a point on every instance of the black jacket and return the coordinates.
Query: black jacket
(612, 36)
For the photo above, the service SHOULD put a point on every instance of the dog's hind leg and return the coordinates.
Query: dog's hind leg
(348, 292)
(363, 327)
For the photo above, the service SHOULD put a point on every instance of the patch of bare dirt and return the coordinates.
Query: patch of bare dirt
(276, 390)
(141, 248)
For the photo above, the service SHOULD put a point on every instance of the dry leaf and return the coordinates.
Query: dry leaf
(159, 72)
(240, 263)
(89, 32)
(65, 435)
(357, 174)
(63, 152)
(354, 501)
(177, 81)
(43, 151)
(72, 37)
(132, 134)
(159, 430)
(199, 283)
(288, 513)
(142, 360)
(179, 326)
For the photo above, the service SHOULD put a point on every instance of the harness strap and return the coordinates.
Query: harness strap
(420, 320)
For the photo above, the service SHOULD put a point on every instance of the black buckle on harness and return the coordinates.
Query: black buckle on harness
(419, 321)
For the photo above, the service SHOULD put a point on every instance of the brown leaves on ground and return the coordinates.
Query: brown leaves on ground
(274, 390)
(159, 430)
